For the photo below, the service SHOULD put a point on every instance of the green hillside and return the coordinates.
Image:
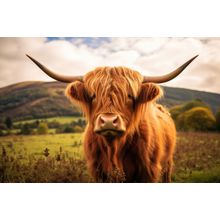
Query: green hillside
(28, 100)
(175, 96)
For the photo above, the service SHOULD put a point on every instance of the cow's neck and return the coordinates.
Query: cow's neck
(115, 151)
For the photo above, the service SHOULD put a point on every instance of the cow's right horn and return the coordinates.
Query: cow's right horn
(61, 78)
(169, 76)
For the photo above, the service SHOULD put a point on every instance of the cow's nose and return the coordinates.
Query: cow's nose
(108, 121)
(109, 124)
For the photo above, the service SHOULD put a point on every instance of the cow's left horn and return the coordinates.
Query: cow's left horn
(56, 76)
(169, 76)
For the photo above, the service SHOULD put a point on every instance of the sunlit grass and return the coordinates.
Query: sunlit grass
(35, 144)
(61, 120)
(197, 158)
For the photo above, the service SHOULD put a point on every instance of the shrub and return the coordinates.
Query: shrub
(8, 122)
(177, 110)
(217, 117)
(196, 119)
(68, 129)
(2, 132)
(44, 169)
(42, 128)
(78, 129)
(194, 103)
(54, 124)
(25, 129)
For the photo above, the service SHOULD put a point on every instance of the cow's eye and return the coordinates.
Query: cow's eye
(130, 97)
(93, 97)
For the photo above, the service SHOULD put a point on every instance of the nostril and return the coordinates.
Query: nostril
(115, 120)
(102, 120)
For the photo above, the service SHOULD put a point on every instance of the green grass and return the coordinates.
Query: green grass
(211, 175)
(35, 144)
(197, 158)
(61, 120)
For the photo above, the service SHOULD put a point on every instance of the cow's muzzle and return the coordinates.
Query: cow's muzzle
(109, 124)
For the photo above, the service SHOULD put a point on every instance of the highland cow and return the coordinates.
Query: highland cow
(127, 131)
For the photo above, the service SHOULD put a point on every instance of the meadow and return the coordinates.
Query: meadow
(61, 120)
(59, 158)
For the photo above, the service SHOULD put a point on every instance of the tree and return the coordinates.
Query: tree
(25, 129)
(68, 129)
(177, 112)
(42, 128)
(8, 122)
(37, 123)
(217, 117)
(196, 119)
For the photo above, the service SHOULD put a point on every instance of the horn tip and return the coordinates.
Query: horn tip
(192, 59)
(195, 57)
(31, 58)
(28, 56)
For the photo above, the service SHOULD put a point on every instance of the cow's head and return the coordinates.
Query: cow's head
(111, 96)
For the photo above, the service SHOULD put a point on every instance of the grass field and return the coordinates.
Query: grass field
(35, 144)
(197, 157)
(61, 120)
(23, 159)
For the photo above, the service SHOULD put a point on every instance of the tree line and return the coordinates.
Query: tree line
(194, 115)
(40, 127)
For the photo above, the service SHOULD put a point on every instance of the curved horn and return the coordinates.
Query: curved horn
(61, 78)
(169, 76)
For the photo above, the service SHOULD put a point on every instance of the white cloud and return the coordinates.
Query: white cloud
(152, 56)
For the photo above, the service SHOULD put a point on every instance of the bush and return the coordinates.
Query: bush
(194, 103)
(43, 169)
(54, 124)
(25, 129)
(217, 117)
(68, 129)
(42, 128)
(196, 119)
(177, 110)
(2, 132)
(78, 129)
(8, 122)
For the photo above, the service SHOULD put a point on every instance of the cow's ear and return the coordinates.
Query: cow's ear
(149, 92)
(76, 91)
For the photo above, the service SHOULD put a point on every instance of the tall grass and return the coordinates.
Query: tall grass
(59, 158)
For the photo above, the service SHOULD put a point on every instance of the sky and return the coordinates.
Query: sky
(77, 56)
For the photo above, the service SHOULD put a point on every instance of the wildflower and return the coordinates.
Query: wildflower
(4, 153)
(46, 152)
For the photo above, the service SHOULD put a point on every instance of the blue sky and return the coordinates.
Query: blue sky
(92, 42)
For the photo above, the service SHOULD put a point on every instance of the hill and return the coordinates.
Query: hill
(174, 96)
(36, 99)
(29, 100)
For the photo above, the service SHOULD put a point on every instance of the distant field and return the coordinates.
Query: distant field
(61, 120)
(197, 158)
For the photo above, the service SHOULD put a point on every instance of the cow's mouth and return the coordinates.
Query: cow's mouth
(111, 133)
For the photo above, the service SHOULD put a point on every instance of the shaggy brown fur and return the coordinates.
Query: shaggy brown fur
(146, 149)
